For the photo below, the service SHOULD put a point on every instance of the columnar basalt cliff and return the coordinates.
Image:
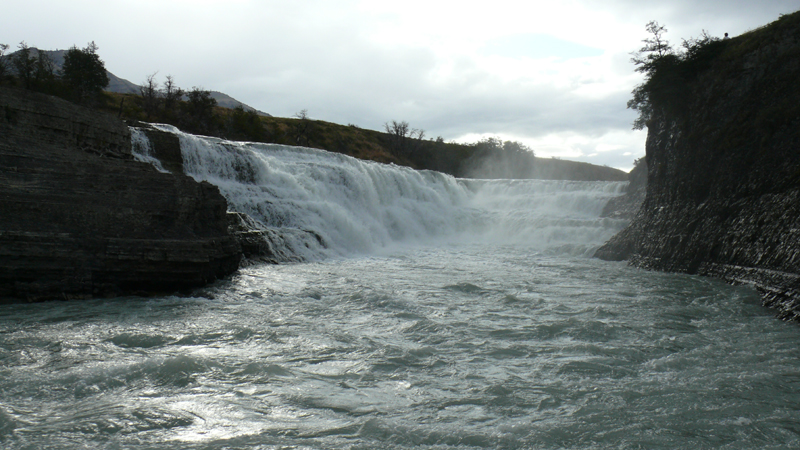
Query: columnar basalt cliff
(723, 189)
(80, 218)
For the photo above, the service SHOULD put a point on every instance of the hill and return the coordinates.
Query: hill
(232, 119)
(460, 160)
(122, 86)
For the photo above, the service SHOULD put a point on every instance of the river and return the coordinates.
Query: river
(425, 312)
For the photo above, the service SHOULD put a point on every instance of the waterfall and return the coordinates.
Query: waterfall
(142, 150)
(320, 204)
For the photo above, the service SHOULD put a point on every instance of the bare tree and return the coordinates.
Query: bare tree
(398, 135)
(150, 96)
(303, 128)
(397, 128)
(172, 94)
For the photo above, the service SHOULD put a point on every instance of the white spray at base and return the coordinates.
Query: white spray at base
(318, 204)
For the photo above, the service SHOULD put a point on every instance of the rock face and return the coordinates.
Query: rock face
(723, 178)
(80, 218)
(626, 206)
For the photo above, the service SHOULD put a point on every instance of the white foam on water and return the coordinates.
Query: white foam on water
(352, 206)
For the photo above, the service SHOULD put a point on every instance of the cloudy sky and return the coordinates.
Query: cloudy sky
(554, 75)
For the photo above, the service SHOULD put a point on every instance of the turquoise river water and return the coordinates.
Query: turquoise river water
(426, 312)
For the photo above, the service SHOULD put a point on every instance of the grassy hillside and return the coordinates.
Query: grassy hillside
(211, 113)
(456, 159)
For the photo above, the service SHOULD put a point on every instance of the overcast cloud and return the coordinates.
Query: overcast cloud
(554, 75)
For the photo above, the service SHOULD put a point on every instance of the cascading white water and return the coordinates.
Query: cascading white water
(466, 345)
(355, 206)
(142, 151)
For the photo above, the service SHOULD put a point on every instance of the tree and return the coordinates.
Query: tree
(3, 66)
(699, 52)
(668, 73)
(172, 96)
(44, 74)
(398, 134)
(199, 111)
(655, 48)
(45, 69)
(397, 128)
(655, 54)
(150, 96)
(84, 72)
(24, 64)
(244, 124)
(516, 149)
(494, 158)
(303, 128)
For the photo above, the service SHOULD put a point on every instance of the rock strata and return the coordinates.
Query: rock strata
(80, 218)
(723, 177)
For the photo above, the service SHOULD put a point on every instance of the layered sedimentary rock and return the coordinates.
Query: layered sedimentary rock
(80, 218)
(723, 189)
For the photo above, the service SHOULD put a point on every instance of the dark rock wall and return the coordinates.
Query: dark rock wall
(166, 147)
(81, 218)
(723, 188)
(626, 206)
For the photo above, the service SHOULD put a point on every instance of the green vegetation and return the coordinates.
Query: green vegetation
(4, 72)
(81, 79)
(494, 158)
(84, 73)
(32, 72)
(195, 111)
(668, 72)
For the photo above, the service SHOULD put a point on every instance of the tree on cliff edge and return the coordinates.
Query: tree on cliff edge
(655, 54)
(84, 73)
(667, 72)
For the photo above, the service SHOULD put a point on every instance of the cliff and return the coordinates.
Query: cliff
(723, 176)
(81, 218)
(626, 206)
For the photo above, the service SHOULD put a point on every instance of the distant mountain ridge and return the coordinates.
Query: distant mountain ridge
(123, 86)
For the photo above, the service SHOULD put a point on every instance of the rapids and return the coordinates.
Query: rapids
(433, 313)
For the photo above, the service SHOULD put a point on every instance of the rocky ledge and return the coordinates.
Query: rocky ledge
(81, 218)
(723, 174)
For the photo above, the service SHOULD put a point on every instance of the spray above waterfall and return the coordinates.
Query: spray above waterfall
(320, 204)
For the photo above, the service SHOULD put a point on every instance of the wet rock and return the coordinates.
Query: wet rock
(626, 206)
(723, 177)
(80, 218)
